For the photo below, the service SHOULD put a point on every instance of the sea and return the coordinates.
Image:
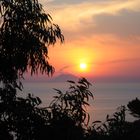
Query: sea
(107, 96)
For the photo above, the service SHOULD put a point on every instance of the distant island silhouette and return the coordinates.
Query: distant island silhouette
(63, 78)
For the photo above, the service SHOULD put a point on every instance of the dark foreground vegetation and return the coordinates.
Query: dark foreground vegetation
(25, 34)
(64, 119)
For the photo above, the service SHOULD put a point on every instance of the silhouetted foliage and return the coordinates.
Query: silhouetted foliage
(74, 101)
(69, 115)
(134, 107)
(25, 34)
(26, 31)
(24, 119)
(112, 128)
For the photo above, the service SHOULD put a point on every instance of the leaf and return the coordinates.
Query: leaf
(71, 81)
(38, 100)
(96, 122)
(58, 91)
(105, 126)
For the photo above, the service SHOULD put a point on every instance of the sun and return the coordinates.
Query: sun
(83, 66)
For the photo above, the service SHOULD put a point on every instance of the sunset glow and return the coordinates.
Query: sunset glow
(83, 66)
(103, 34)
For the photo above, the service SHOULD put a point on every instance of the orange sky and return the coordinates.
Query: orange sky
(104, 34)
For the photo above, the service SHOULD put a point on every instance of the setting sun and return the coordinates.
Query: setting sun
(83, 66)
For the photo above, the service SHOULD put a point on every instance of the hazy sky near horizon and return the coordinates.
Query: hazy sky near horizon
(104, 34)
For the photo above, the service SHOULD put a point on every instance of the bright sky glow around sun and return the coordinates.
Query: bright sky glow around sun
(105, 33)
(83, 66)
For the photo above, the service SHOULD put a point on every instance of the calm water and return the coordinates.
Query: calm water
(107, 96)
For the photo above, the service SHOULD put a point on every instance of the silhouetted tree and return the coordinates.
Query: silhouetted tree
(25, 34)
(112, 129)
(69, 115)
(65, 118)
(134, 107)
(26, 31)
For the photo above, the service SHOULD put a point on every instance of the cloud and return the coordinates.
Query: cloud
(45, 2)
(120, 61)
(61, 70)
(126, 23)
(72, 2)
(83, 18)
(86, 10)
(108, 29)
